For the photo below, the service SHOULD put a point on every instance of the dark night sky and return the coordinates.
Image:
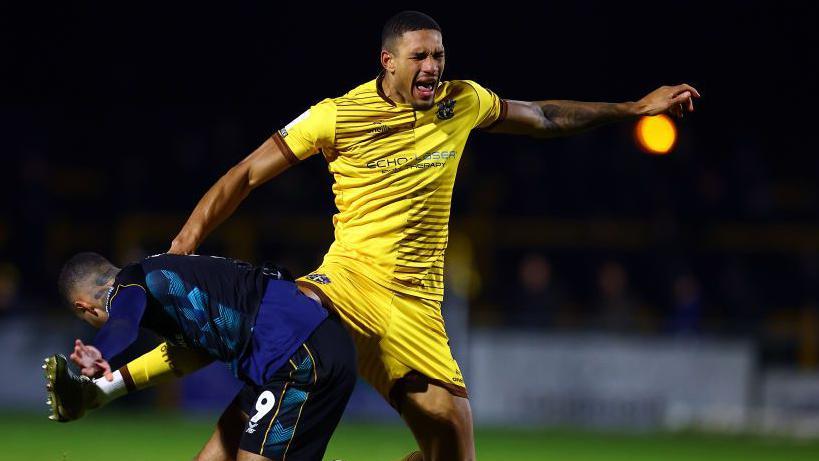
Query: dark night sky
(751, 60)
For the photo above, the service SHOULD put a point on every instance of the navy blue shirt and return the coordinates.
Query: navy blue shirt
(210, 303)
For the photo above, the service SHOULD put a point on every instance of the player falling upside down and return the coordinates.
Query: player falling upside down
(297, 362)
(393, 145)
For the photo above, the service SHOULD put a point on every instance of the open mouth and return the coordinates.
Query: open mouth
(425, 88)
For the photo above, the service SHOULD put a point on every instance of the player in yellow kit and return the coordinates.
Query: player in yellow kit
(394, 170)
(393, 146)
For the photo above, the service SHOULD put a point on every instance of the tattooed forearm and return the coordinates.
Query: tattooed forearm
(552, 118)
(569, 117)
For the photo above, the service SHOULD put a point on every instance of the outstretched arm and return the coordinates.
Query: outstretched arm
(266, 162)
(552, 118)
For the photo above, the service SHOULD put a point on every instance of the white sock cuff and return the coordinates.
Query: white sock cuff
(111, 390)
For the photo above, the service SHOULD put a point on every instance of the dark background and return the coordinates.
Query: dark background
(115, 120)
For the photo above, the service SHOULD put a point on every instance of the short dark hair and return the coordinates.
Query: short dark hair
(405, 21)
(77, 269)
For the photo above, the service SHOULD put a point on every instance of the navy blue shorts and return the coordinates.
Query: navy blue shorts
(295, 413)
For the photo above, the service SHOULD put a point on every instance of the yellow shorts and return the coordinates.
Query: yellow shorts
(397, 336)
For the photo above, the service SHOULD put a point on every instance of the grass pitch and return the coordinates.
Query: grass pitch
(152, 436)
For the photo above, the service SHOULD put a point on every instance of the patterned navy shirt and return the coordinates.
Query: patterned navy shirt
(203, 302)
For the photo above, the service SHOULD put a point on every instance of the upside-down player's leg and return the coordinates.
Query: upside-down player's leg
(70, 395)
(223, 444)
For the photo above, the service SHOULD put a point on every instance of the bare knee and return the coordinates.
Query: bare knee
(441, 423)
(437, 408)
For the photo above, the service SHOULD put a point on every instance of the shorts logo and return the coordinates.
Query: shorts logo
(283, 132)
(265, 403)
(446, 109)
(318, 278)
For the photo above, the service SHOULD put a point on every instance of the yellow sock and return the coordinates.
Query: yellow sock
(162, 364)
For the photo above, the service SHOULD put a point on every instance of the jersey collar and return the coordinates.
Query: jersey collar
(380, 90)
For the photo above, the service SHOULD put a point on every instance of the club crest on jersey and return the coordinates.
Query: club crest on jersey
(318, 278)
(446, 109)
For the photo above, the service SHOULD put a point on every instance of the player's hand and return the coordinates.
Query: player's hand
(674, 100)
(90, 361)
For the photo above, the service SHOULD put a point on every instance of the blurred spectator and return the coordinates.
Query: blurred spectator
(743, 311)
(711, 190)
(686, 315)
(809, 275)
(9, 289)
(538, 300)
(809, 313)
(809, 337)
(529, 170)
(617, 308)
(750, 175)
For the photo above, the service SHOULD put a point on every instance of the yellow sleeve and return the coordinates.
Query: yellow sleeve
(491, 108)
(162, 364)
(310, 132)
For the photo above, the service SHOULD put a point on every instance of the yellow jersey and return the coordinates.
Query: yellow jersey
(394, 169)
